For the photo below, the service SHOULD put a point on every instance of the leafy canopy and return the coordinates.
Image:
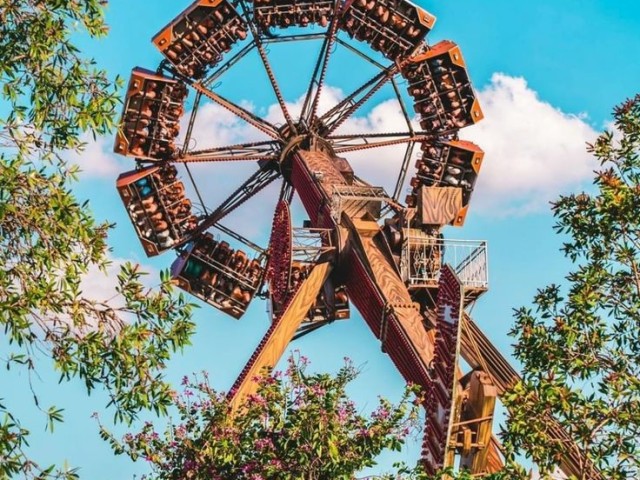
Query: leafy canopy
(50, 94)
(580, 344)
(298, 425)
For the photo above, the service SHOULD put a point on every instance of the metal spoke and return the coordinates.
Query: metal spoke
(192, 121)
(360, 53)
(239, 237)
(304, 114)
(267, 66)
(276, 87)
(286, 192)
(310, 328)
(403, 171)
(254, 184)
(268, 150)
(352, 143)
(403, 107)
(237, 110)
(402, 175)
(228, 64)
(342, 138)
(331, 120)
(384, 143)
(293, 38)
(309, 110)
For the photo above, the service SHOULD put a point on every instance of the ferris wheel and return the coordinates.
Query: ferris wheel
(361, 245)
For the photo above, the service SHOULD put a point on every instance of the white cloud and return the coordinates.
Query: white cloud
(216, 126)
(534, 151)
(329, 97)
(379, 166)
(101, 285)
(96, 159)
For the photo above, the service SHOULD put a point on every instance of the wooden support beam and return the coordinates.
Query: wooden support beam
(281, 332)
(495, 463)
(386, 285)
(478, 410)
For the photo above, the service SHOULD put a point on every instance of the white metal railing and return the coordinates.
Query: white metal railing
(423, 257)
(309, 243)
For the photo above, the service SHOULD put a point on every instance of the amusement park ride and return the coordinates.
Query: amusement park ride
(360, 245)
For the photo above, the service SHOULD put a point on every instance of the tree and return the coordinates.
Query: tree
(580, 344)
(297, 426)
(50, 95)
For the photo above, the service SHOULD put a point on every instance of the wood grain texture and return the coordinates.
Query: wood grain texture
(495, 462)
(480, 404)
(394, 292)
(439, 205)
(278, 337)
(321, 163)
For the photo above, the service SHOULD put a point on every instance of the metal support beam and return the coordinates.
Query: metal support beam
(268, 150)
(240, 238)
(293, 38)
(403, 171)
(360, 53)
(240, 112)
(310, 107)
(331, 120)
(267, 67)
(255, 183)
(192, 121)
(228, 64)
(365, 145)
(479, 352)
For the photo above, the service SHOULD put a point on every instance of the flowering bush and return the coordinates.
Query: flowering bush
(297, 425)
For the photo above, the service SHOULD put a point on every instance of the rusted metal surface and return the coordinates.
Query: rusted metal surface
(151, 115)
(442, 385)
(251, 151)
(394, 28)
(197, 39)
(224, 277)
(442, 91)
(445, 165)
(280, 253)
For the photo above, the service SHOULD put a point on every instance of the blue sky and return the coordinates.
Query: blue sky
(548, 74)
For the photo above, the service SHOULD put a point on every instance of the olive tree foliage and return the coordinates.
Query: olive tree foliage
(580, 343)
(49, 95)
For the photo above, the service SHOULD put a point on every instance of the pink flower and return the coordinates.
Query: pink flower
(257, 399)
(342, 414)
(381, 413)
(263, 443)
(318, 391)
